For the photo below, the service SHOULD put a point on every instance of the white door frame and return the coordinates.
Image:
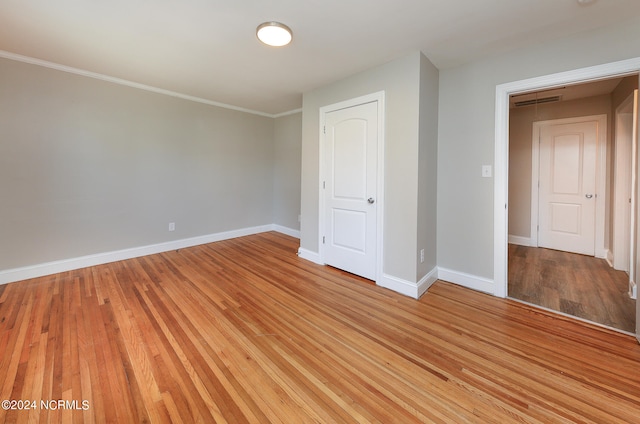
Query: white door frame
(624, 183)
(501, 179)
(369, 98)
(601, 176)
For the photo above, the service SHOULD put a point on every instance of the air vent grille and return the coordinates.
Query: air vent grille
(550, 99)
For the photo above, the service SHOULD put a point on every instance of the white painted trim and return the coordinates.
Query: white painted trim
(285, 230)
(120, 81)
(501, 181)
(601, 176)
(602, 253)
(624, 182)
(521, 241)
(398, 285)
(310, 256)
(39, 270)
(378, 97)
(427, 281)
(609, 258)
(287, 113)
(633, 290)
(467, 280)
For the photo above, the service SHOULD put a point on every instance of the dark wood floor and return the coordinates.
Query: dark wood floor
(245, 331)
(578, 285)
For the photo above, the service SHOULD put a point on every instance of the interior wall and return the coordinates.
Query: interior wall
(87, 166)
(520, 150)
(428, 169)
(287, 141)
(467, 135)
(400, 81)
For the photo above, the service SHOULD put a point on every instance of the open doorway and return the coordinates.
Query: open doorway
(563, 245)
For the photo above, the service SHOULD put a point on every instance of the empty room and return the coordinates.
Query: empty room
(199, 223)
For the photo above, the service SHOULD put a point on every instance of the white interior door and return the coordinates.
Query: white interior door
(567, 187)
(350, 189)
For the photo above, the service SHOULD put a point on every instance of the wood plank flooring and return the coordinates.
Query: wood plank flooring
(577, 285)
(245, 331)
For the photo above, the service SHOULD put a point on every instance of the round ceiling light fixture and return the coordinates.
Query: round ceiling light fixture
(274, 34)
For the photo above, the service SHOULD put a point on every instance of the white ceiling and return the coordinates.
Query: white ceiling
(208, 48)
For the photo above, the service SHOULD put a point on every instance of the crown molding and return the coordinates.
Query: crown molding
(69, 69)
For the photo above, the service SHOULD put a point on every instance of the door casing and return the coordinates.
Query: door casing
(625, 171)
(501, 152)
(501, 146)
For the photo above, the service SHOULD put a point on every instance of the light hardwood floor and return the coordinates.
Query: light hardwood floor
(245, 331)
(577, 285)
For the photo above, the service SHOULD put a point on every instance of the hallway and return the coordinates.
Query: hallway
(578, 285)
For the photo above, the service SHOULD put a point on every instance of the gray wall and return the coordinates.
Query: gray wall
(401, 82)
(287, 140)
(428, 168)
(467, 134)
(88, 166)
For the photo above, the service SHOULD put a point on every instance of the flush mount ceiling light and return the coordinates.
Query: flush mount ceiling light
(274, 34)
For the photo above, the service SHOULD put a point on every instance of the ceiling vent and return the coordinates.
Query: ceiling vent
(551, 99)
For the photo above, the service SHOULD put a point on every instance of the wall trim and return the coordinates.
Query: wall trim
(310, 256)
(71, 70)
(521, 241)
(398, 285)
(407, 288)
(427, 281)
(609, 258)
(54, 267)
(467, 280)
(287, 113)
(286, 230)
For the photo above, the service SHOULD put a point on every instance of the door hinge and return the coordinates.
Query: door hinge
(324, 129)
(323, 240)
(324, 184)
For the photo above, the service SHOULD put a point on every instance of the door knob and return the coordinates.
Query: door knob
(370, 200)
(588, 196)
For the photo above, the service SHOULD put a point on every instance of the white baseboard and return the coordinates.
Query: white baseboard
(603, 254)
(310, 256)
(521, 241)
(39, 270)
(427, 281)
(398, 285)
(286, 230)
(467, 280)
(407, 288)
(609, 258)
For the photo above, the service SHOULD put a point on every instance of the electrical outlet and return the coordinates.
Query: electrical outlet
(421, 255)
(486, 171)
(172, 226)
